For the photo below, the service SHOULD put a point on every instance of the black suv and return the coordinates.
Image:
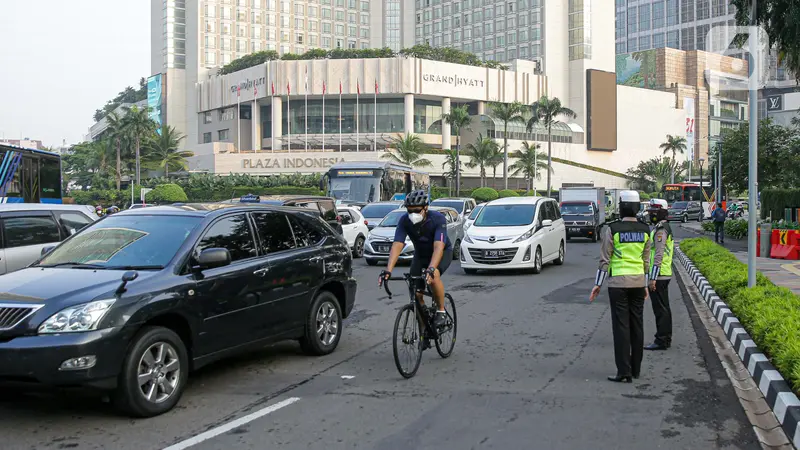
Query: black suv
(136, 300)
(325, 206)
(685, 211)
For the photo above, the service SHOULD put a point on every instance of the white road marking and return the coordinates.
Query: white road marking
(348, 377)
(214, 432)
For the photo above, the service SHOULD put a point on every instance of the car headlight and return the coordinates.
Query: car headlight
(467, 239)
(77, 318)
(590, 222)
(525, 236)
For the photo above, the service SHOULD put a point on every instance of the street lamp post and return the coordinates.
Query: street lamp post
(719, 172)
(702, 188)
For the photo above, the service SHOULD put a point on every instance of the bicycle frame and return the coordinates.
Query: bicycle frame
(412, 282)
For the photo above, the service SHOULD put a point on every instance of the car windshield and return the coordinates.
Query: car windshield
(680, 205)
(506, 216)
(125, 242)
(455, 204)
(392, 219)
(377, 211)
(475, 212)
(576, 208)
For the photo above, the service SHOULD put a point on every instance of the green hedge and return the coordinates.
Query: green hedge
(507, 193)
(484, 194)
(773, 202)
(166, 193)
(205, 195)
(735, 228)
(770, 314)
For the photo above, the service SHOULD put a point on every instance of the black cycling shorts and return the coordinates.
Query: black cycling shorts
(419, 264)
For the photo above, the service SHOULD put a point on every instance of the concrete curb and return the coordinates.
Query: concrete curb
(779, 396)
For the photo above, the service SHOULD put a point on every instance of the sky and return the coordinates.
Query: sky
(60, 60)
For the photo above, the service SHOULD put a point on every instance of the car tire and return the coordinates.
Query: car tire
(700, 217)
(594, 235)
(165, 348)
(561, 255)
(372, 262)
(358, 247)
(684, 218)
(457, 250)
(537, 261)
(470, 271)
(323, 325)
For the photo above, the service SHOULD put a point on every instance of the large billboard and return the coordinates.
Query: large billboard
(601, 110)
(688, 107)
(155, 91)
(637, 69)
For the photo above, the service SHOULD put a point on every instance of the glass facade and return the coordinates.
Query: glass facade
(580, 43)
(492, 29)
(174, 34)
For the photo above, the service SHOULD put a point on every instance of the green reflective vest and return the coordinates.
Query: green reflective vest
(629, 239)
(666, 260)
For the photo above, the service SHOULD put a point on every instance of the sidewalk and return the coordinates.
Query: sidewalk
(779, 271)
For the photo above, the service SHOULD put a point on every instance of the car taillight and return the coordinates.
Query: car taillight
(366, 223)
(339, 219)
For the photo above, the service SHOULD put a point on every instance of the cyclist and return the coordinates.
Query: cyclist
(432, 249)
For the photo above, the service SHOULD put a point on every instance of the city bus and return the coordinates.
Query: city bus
(681, 192)
(29, 176)
(365, 182)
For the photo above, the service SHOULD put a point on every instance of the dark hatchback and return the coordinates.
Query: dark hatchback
(138, 299)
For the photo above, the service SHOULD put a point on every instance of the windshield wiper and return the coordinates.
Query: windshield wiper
(144, 267)
(75, 264)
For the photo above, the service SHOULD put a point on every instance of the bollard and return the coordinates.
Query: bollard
(765, 242)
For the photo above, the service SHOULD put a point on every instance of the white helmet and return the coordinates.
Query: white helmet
(629, 196)
(658, 202)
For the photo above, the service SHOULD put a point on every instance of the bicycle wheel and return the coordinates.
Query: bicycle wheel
(447, 336)
(406, 343)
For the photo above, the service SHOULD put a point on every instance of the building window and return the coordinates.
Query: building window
(207, 117)
(224, 134)
(644, 43)
(702, 36)
(206, 137)
(658, 15)
(703, 9)
(620, 48)
(719, 8)
(687, 11)
(632, 45)
(632, 20)
(673, 39)
(644, 18)
(658, 40)
(578, 22)
(672, 12)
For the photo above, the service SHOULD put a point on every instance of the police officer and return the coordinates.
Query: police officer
(624, 260)
(660, 275)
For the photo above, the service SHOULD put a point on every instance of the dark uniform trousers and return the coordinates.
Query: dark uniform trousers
(627, 306)
(660, 301)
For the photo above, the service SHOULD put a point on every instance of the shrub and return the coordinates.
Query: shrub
(770, 314)
(708, 226)
(737, 228)
(773, 202)
(507, 193)
(484, 194)
(166, 193)
(644, 196)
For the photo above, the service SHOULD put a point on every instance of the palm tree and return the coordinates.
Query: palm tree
(162, 150)
(796, 121)
(546, 112)
(449, 166)
(481, 154)
(496, 159)
(458, 118)
(116, 132)
(529, 162)
(674, 145)
(408, 150)
(507, 113)
(139, 127)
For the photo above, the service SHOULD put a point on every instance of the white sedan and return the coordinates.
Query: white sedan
(354, 228)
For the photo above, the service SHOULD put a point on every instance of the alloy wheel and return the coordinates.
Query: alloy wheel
(159, 372)
(327, 323)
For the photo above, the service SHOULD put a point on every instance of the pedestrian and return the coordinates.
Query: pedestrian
(719, 224)
(624, 260)
(663, 245)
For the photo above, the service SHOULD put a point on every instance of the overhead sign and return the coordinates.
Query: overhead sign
(672, 188)
(688, 107)
(250, 198)
(290, 163)
(775, 103)
(354, 173)
(154, 99)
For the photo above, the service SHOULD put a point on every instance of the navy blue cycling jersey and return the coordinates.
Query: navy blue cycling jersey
(423, 235)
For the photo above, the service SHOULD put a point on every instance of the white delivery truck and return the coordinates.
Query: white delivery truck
(583, 210)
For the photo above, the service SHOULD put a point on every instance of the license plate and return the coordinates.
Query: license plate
(382, 248)
(494, 253)
(574, 230)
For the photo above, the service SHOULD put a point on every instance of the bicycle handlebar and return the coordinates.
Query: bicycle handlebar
(406, 278)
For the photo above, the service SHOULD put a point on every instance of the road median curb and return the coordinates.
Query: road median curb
(775, 389)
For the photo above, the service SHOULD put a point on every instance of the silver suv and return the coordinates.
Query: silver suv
(27, 228)
(463, 205)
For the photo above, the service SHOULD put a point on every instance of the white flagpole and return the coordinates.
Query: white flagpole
(376, 116)
(340, 116)
(273, 117)
(289, 115)
(323, 116)
(306, 109)
(358, 94)
(238, 120)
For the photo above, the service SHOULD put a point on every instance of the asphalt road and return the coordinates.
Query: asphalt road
(528, 371)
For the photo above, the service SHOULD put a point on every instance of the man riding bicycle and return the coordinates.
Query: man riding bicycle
(432, 249)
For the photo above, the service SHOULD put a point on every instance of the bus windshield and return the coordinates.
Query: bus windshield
(356, 189)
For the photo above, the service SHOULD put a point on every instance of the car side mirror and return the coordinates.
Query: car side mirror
(213, 257)
(467, 211)
(48, 249)
(547, 223)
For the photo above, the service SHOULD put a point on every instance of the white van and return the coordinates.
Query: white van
(27, 228)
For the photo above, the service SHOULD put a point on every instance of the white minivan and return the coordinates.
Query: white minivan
(515, 233)
(27, 228)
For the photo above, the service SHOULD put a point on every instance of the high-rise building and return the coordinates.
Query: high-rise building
(191, 39)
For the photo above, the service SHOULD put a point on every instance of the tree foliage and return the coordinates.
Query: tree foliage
(546, 112)
(422, 51)
(781, 21)
(507, 113)
(778, 156)
(408, 150)
(530, 162)
(483, 153)
(653, 173)
(127, 95)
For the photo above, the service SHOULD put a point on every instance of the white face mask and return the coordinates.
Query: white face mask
(415, 218)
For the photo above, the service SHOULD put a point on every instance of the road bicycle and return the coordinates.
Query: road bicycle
(415, 335)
